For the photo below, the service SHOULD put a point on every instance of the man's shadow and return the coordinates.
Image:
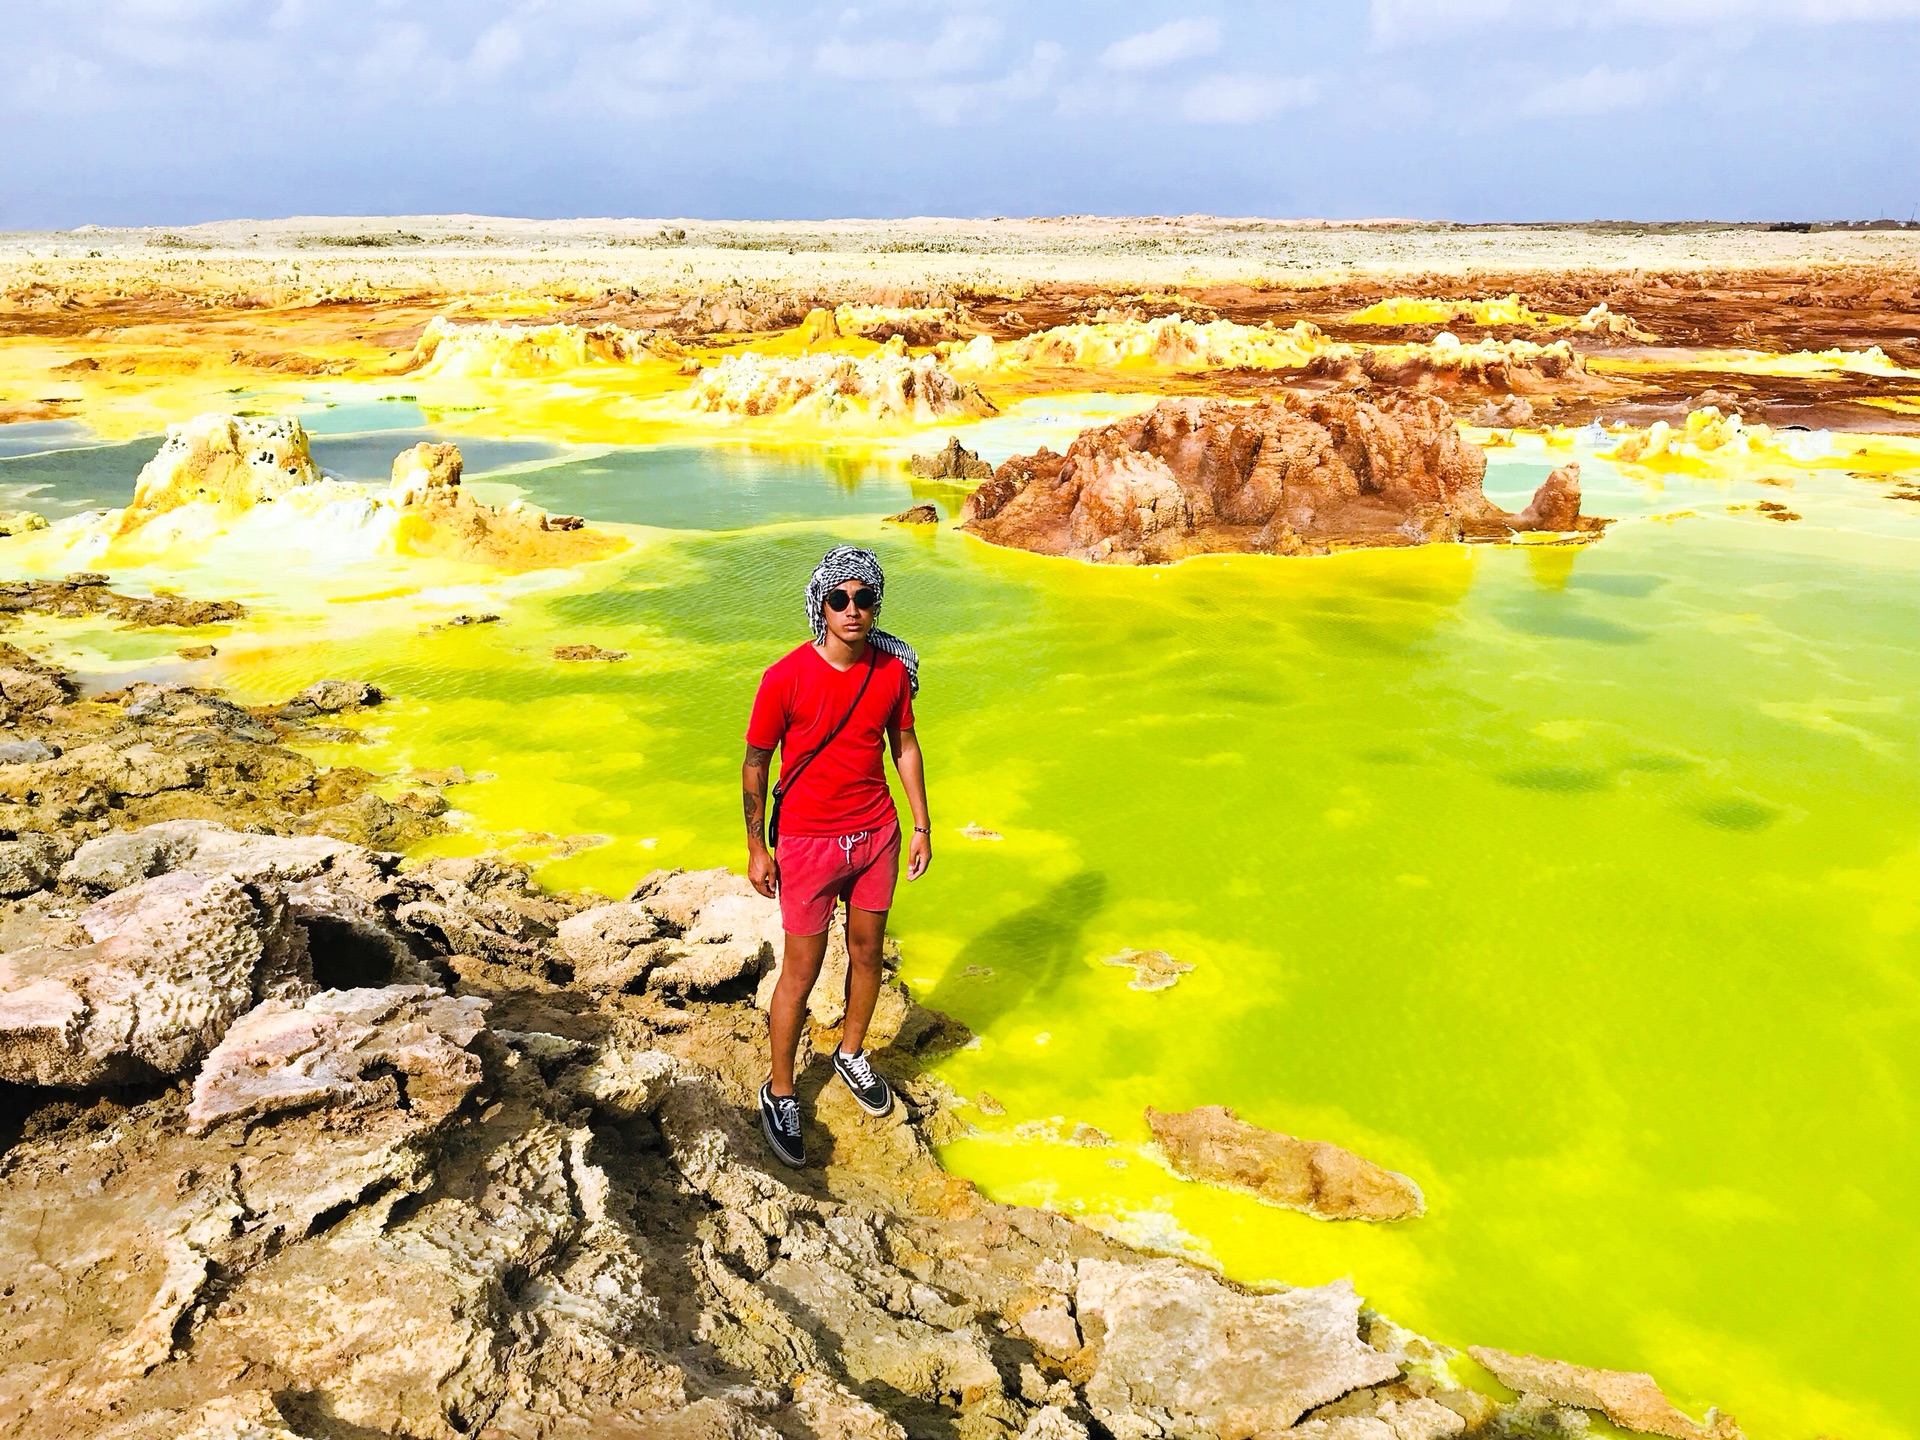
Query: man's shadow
(1022, 957)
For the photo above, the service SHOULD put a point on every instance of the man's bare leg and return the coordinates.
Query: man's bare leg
(799, 968)
(866, 934)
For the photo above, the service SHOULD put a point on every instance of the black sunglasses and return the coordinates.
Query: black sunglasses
(838, 600)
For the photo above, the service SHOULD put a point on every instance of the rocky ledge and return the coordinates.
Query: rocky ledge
(426, 1152)
(298, 1141)
(1287, 475)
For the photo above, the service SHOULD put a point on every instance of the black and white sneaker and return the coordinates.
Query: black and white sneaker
(873, 1093)
(780, 1118)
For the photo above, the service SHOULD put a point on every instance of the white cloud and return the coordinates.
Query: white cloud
(1169, 44)
(958, 102)
(1402, 21)
(1598, 91)
(962, 44)
(1237, 99)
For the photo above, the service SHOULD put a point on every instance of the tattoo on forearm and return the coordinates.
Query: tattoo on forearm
(753, 793)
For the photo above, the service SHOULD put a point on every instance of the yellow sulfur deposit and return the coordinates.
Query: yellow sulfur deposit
(1506, 310)
(1409, 310)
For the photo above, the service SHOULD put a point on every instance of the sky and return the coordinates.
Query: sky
(168, 112)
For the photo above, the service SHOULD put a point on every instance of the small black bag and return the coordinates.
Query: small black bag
(793, 773)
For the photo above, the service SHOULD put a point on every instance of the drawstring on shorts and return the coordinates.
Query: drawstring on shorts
(847, 842)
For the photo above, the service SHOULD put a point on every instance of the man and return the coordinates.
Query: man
(836, 834)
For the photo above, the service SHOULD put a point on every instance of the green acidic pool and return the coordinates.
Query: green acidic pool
(1579, 885)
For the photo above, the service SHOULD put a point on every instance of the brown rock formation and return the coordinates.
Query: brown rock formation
(85, 592)
(1214, 1145)
(423, 469)
(953, 462)
(1631, 1399)
(1284, 476)
(80, 768)
(1503, 366)
(587, 652)
(923, 514)
(1556, 504)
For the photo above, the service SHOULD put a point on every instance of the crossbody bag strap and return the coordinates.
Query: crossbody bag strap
(788, 776)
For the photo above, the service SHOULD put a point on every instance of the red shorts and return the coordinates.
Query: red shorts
(817, 870)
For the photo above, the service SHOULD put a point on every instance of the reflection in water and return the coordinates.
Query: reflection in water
(681, 487)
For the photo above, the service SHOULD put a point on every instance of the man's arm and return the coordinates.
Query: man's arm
(913, 775)
(762, 872)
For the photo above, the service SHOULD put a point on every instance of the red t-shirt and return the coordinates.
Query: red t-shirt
(843, 790)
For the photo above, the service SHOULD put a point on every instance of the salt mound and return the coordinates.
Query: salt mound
(1169, 343)
(1603, 322)
(1708, 432)
(488, 350)
(228, 461)
(250, 487)
(834, 388)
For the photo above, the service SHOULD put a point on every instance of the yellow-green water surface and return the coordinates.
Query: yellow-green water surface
(1579, 885)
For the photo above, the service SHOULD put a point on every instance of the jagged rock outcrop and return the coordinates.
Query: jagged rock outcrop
(1283, 476)
(231, 462)
(1611, 326)
(1556, 504)
(488, 350)
(86, 592)
(1176, 1351)
(425, 468)
(1212, 1144)
(151, 752)
(923, 514)
(1448, 364)
(682, 933)
(343, 1047)
(953, 462)
(1632, 1400)
(29, 862)
(483, 1200)
(147, 982)
(1506, 413)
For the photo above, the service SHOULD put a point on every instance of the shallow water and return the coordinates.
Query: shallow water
(1577, 884)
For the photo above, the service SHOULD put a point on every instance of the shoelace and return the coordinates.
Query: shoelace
(858, 1068)
(787, 1108)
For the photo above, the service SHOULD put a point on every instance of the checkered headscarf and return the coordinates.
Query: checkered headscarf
(850, 562)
